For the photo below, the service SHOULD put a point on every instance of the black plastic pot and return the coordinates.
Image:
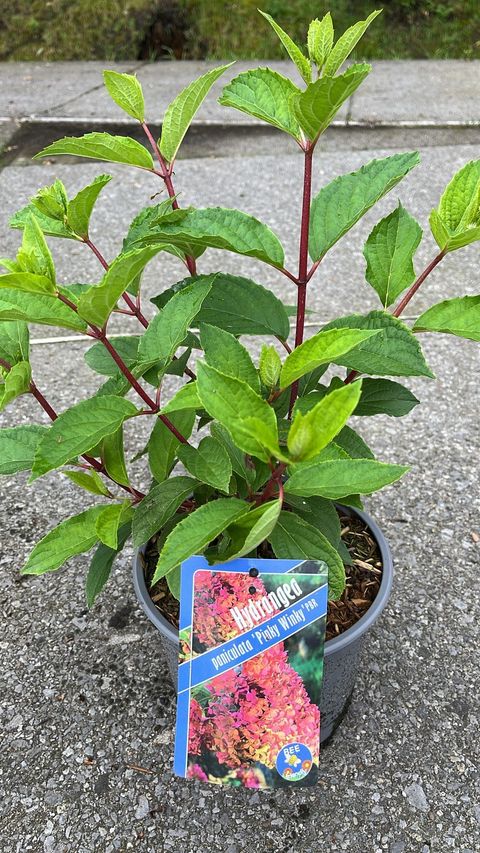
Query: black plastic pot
(342, 655)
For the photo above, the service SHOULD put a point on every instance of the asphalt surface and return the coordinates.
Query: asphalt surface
(87, 708)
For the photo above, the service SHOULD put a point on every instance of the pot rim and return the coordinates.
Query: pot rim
(351, 635)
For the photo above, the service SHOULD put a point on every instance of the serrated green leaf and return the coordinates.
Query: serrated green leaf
(51, 202)
(384, 397)
(14, 342)
(220, 228)
(99, 359)
(322, 348)
(168, 328)
(101, 146)
(224, 352)
(34, 256)
(238, 305)
(27, 282)
(459, 316)
(162, 444)
(209, 463)
(266, 95)
(158, 506)
(196, 531)
(320, 40)
(389, 253)
(88, 480)
(337, 478)
(80, 208)
(18, 446)
(394, 351)
(78, 430)
(113, 456)
(109, 521)
(126, 91)
(185, 398)
(98, 302)
(15, 383)
(250, 530)
(73, 536)
(248, 418)
(456, 223)
(51, 227)
(294, 52)
(353, 444)
(345, 44)
(320, 513)
(179, 114)
(311, 432)
(38, 308)
(238, 458)
(316, 107)
(293, 539)
(101, 566)
(270, 366)
(341, 203)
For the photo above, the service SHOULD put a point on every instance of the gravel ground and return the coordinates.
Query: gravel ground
(88, 711)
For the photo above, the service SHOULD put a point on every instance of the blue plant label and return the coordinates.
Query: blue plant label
(250, 671)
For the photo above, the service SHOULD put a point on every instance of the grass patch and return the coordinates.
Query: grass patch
(215, 29)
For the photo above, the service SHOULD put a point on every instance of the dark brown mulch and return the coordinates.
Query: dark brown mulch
(363, 580)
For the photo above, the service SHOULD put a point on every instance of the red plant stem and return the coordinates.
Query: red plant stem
(404, 302)
(166, 174)
(274, 481)
(285, 345)
(303, 261)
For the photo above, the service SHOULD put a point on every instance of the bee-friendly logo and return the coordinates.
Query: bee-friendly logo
(294, 762)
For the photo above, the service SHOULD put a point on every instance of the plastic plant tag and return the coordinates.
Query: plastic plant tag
(250, 672)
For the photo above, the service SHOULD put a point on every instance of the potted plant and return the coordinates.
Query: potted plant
(269, 464)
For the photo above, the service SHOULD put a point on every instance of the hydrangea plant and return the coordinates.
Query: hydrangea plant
(248, 454)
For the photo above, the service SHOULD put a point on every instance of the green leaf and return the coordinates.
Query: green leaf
(73, 536)
(459, 316)
(88, 480)
(346, 43)
(341, 203)
(51, 227)
(34, 256)
(248, 418)
(270, 366)
(51, 202)
(18, 446)
(113, 456)
(337, 478)
(196, 531)
(180, 112)
(168, 329)
(146, 222)
(27, 282)
(224, 352)
(238, 459)
(101, 566)
(250, 530)
(98, 302)
(320, 40)
(322, 348)
(294, 539)
(101, 146)
(389, 253)
(394, 351)
(99, 359)
(266, 95)
(15, 383)
(353, 443)
(320, 513)
(158, 506)
(221, 228)
(384, 397)
(39, 308)
(456, 223)
(185, 398)
(126, 91)
(310, 433)
(294, 52)
(316, 107)
(78, 430)
(80, 208)
(162, 444)
(14, 341)
(109, 521)
(238, 305)
(209, 463)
